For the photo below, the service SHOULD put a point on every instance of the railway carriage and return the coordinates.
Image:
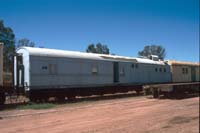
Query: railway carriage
(47, 72)
(184, 71)
(184, 79)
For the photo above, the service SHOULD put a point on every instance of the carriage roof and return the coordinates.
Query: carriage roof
(82, 55)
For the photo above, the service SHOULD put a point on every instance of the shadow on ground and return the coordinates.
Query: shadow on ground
(95, 98)
(77, 100)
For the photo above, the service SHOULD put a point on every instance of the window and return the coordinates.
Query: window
(186, 70)
(94, 69)
(183, 70)
(122, 72)
(160, 69)
(52, 68)
(164, 69)
(44, 67)
(136, 65)
(156, 69)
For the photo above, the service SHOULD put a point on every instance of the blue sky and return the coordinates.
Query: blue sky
(126, 26)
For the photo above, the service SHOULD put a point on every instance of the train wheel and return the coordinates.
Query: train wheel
(147, 92)
(33, 99)
(2, 98)
(155, 93)
(72, 97)
(60, 98)
(138, 92)
(166, 94)
(46, 99)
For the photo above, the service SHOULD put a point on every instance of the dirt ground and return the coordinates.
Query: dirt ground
(127, 114)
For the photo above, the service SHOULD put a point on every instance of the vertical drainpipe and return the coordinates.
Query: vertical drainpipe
(1, 64)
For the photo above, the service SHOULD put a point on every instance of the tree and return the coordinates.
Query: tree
(25, 42)
(91, 48)
(7, 37)
(153, 50)
(99, 48)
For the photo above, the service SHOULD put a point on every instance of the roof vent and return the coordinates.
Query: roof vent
(154, 57)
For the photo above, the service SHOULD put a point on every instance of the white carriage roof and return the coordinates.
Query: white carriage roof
(82, 55)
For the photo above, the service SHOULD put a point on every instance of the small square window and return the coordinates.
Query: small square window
(44, 67)
(164, 69)
(132, 65)
(160, 69)
(156, 69)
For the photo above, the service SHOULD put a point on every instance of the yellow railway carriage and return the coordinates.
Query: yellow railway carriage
(184, 71)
